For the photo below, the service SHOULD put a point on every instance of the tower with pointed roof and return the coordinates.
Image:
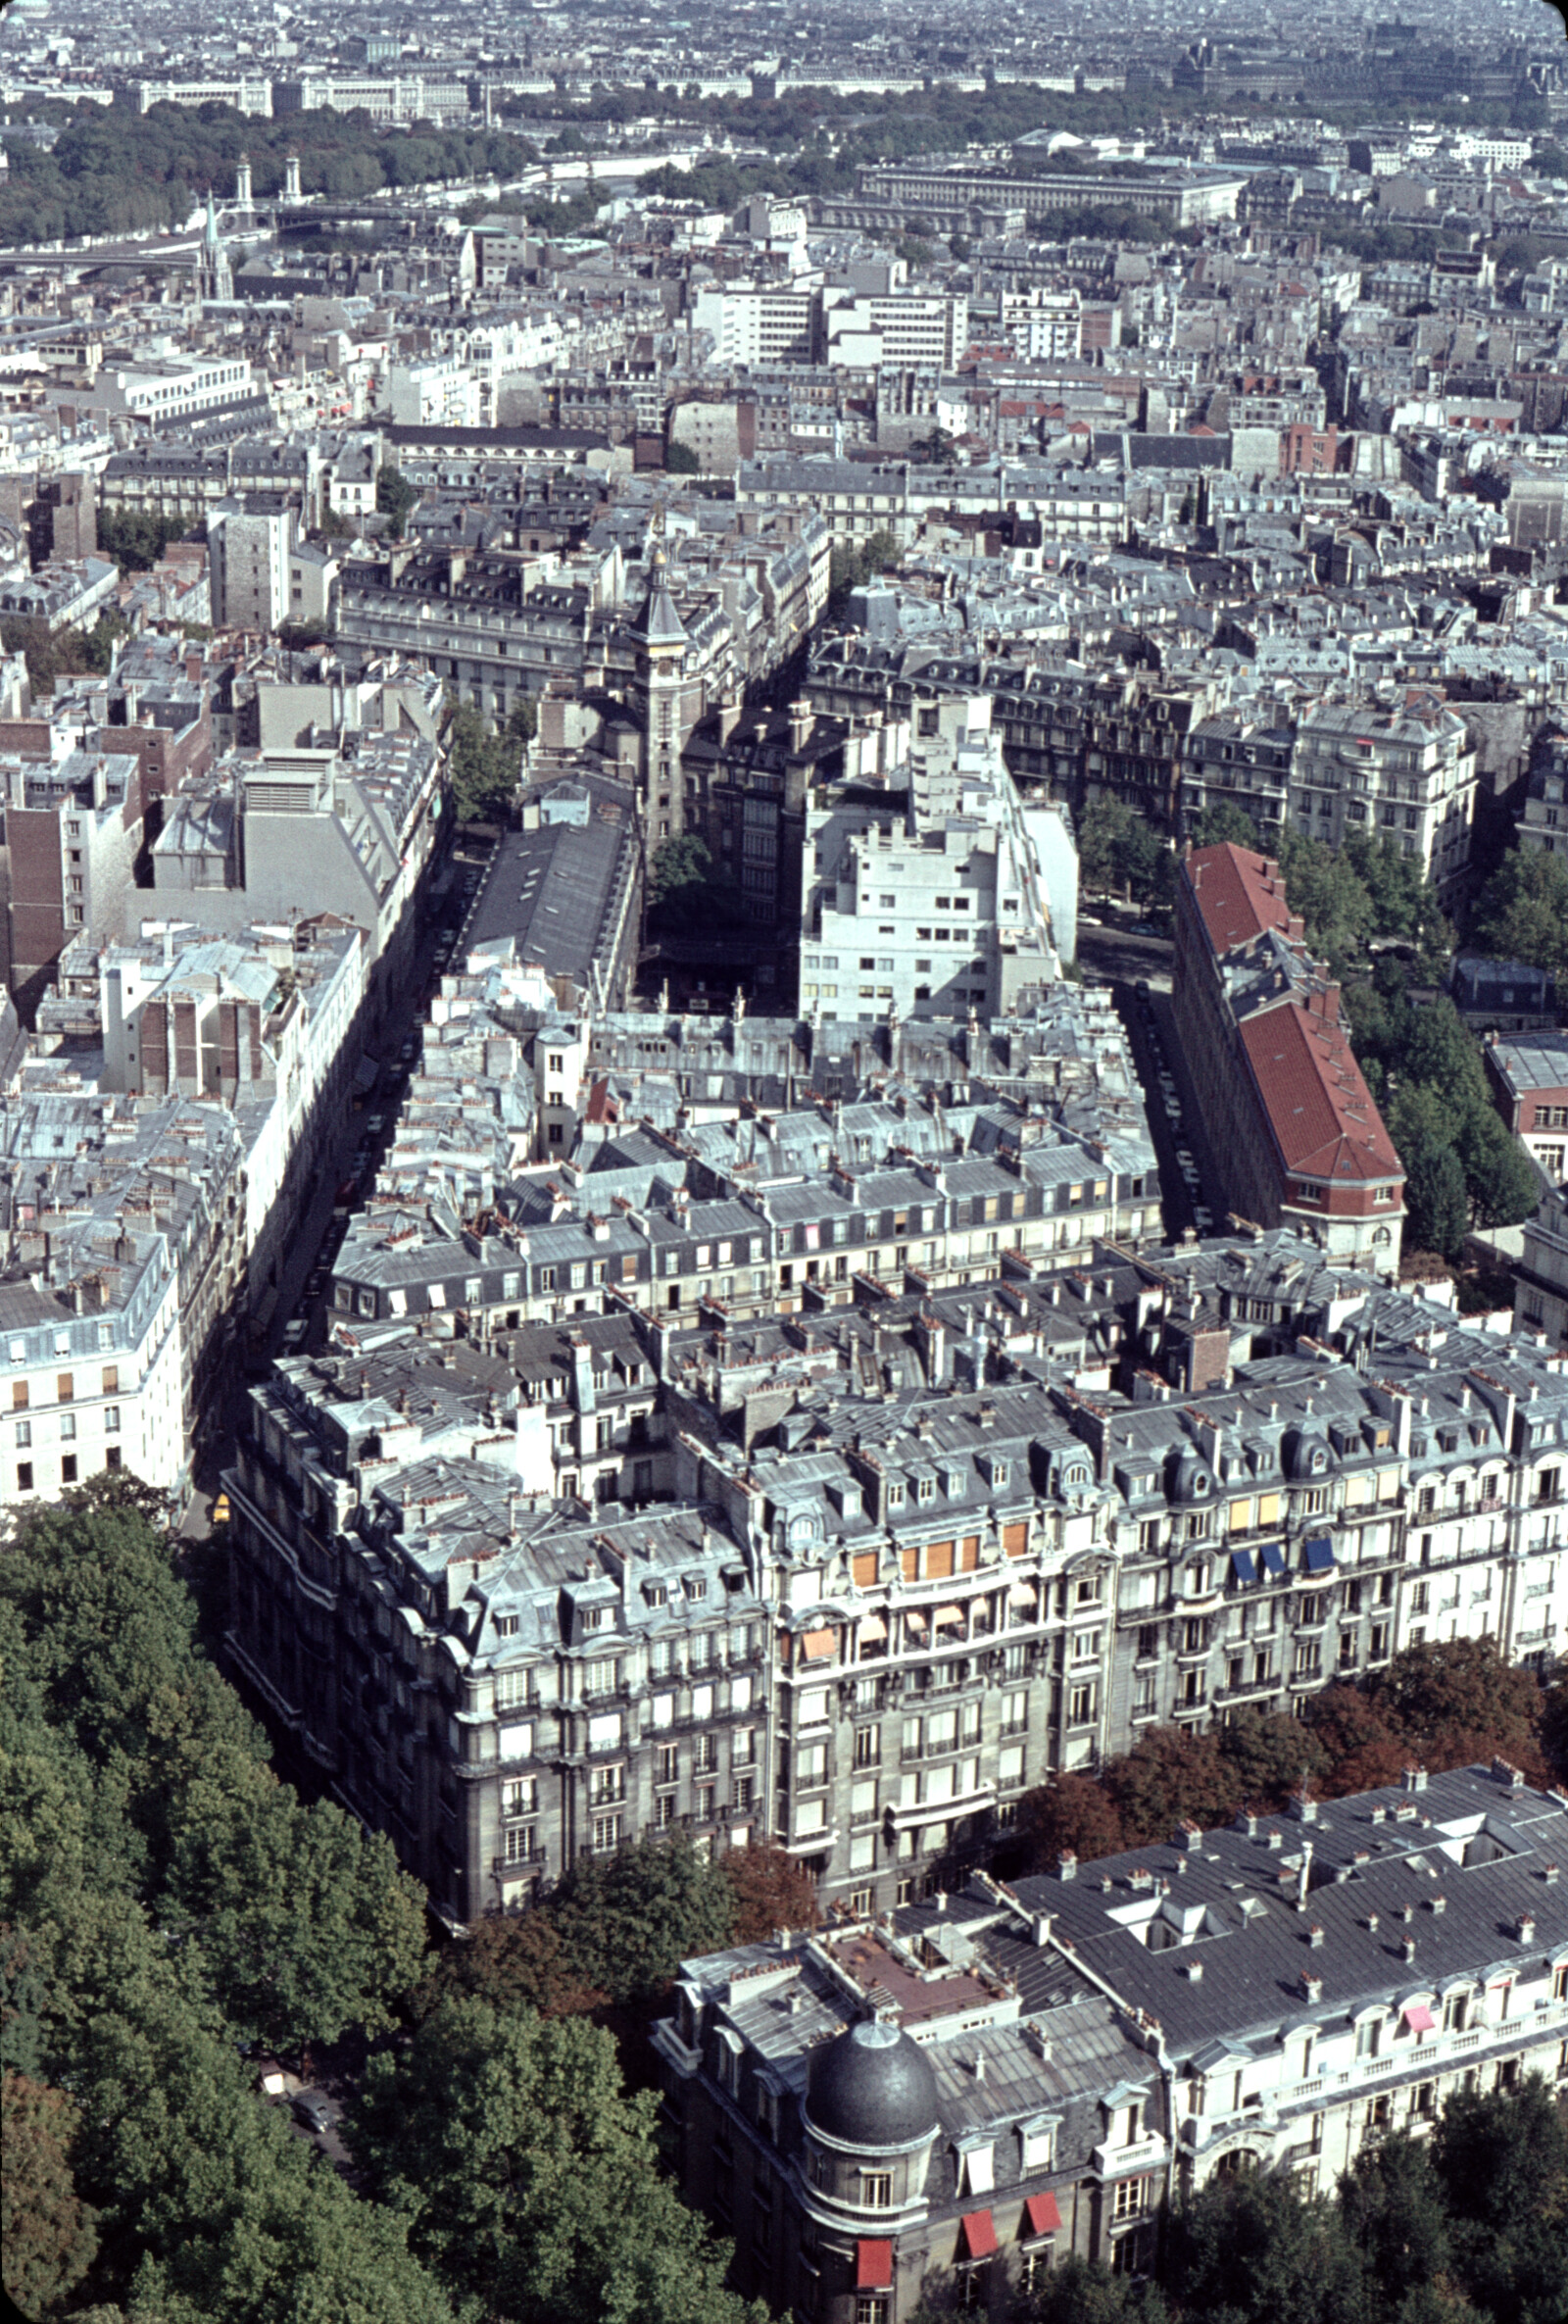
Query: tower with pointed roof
(658, 697)
(217, 276)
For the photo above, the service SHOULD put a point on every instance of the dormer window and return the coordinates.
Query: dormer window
(895, 1492)
(696, 1587)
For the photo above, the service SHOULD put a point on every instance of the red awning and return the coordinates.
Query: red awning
(977, 2235)
(873, 2265)
(1419, 2018)
(1041, 2215)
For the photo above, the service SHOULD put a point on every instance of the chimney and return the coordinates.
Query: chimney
(1315, 1936)
(1527, 1927)
(1194, 1972)
(1304, 1877)
(1067, 1865)
(979, 2066)
(940, 1900)
(1301, 1808)
(1041, 1928)
(1407, 1948)
(1414, 1779)
(1311, 1988)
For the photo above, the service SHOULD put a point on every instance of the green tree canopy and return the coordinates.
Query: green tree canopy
(47, 2236)
(486, 768)
(1522, 912)
(395, 496)
(528, 2175)
(1254, 2250)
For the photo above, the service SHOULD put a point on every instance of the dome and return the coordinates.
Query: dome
(1189, 1476)
(872, 2087)
(1306, 1454)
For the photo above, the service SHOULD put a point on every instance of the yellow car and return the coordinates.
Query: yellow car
(220, 1509)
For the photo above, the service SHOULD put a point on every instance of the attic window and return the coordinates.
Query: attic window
(696, 1586)
(506, 1625)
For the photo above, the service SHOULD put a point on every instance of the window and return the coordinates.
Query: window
(110, 1386)
(23, 1476)
(68, 1469)
(870, 2307)
(19, 1396)
(606, 1833)
(876, 2191)
(1131, 2198)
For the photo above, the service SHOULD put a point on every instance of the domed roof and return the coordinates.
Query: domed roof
(1306, 1453)
(872, 2087)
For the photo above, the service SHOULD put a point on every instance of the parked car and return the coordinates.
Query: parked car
(294, 1335)
(314, 2111)
(375, 1125)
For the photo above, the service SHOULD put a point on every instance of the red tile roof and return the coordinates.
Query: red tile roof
(1318, 1106)
(1238, 894)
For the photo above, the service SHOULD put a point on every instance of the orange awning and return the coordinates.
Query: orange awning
(977, 2235)
(817, 1644)
(1041, 2215)
(872, 1627)
(873, 2264)
(948, 1617)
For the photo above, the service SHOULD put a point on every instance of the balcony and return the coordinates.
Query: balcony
(931, 1811)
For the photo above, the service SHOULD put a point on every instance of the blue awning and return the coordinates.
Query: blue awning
(1320, 1554)
(1272, 1558)
(1242, 1565)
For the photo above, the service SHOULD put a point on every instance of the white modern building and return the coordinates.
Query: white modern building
(922, 891)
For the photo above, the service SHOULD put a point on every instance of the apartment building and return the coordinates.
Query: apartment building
(1529, 1078)
(1288, 1116)
(1405, 774)
(942, 2104)
(175, 387)
(1185, 197)
(122, 1271)
(853, 499)
(1237, 759)
(929, 864)
(994, 1533)
(249, 539)
(72, 834)
(902, 327)
(751, 324)
(1542, 823)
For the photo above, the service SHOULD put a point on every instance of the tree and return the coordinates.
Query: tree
(1224, 822)
(1361, 1746)
(1072, 1814)
(688, 890)
(1436, 1199)
(1254, 2250)
(680, 460)
(395, 496)
(530, 2178)
(486, 768)
(1501, 2162)
(1171, 1776)
(1392, 2206)
(771, 1891)
(1083, 2291)
(1333, 901)
(1522, 912)
(1457, 1701)
(136, 538)
(1271, 1757)
(628, 1919)
(306, 1923)
(513, 1961)
(47, 2236)
(1118, 849)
